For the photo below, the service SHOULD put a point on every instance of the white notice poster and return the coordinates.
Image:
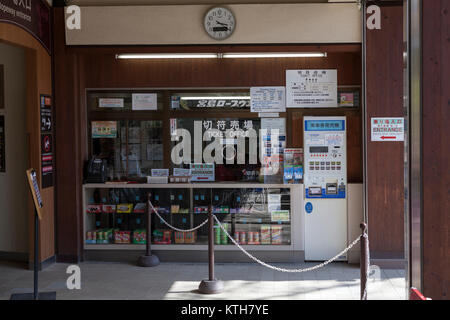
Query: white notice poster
(144, 101)
(311, 88)
(267, 99)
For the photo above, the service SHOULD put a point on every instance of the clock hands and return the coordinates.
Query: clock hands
(221, 23)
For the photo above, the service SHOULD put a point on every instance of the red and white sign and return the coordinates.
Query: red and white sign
(387, 129)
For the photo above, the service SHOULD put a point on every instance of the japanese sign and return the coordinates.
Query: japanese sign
(110, 103)
(46, 113)
(279, 216)
(104, 129)
(47, 167)
(268, 99)
(311, 89)
(202, 171)
(47, 160)
(387, 129)
(189, 103)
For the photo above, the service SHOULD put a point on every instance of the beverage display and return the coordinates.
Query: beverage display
(254, 216)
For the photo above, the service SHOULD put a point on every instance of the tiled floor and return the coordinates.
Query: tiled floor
(246, 281)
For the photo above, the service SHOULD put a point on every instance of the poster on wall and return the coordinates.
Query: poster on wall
(47, 167)
(2, 144)
(311, 88)
(144, 101)
(104, 129)
(267, 99)
(46, 113)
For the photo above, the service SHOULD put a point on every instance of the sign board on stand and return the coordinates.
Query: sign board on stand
(36, 193)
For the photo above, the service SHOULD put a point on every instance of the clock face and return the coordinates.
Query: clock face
(219, 23)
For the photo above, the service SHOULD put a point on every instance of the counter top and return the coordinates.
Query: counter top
(190, 185)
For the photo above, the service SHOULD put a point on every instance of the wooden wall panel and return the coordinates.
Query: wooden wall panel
(68, 147)
(39, 81)
(385, 159)
(436, 153)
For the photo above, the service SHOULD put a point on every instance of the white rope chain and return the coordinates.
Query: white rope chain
(287, 270)
(174, 228)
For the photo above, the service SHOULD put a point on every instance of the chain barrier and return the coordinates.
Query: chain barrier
(172, 227)
(282, 269)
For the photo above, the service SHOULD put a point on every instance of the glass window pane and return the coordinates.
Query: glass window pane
(236, 162)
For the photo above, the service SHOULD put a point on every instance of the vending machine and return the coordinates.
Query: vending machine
(325, 183)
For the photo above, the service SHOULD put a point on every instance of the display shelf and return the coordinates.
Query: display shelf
(252, 218)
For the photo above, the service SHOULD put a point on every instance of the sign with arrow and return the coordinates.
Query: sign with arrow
(387, 129)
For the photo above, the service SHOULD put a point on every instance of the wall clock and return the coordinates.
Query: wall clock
(219, 23)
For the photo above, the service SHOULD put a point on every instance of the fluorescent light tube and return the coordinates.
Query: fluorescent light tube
(275, 55)
(167, 56)
(216, 98)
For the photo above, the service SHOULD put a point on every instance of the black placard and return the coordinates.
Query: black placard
(47, 167)
(46, 114)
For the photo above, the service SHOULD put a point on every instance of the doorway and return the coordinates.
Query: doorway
(14, 244)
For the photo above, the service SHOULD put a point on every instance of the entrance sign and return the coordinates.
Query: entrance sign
(267, 99)
(311, 89)
(34, 187)
(387, 129)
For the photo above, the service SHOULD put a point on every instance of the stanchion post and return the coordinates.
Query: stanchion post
(212, 285)
(149, 259)
(364, 261)
(36, 256)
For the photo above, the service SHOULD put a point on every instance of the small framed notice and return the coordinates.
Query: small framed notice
(110, 103)
(144, 101)
(268, 99)
(311, 88)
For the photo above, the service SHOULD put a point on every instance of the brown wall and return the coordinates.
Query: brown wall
(77, 68)
(39, 81)
(436, 152)
(385, 183)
